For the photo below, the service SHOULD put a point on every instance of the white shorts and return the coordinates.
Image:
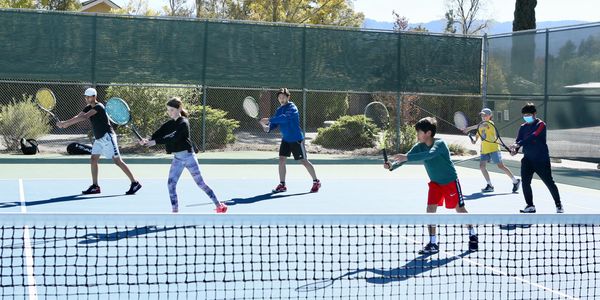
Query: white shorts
(106, 146)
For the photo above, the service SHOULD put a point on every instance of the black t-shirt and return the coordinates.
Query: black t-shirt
(175, 134)
(100, 123)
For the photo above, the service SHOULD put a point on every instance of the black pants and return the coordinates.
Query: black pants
(542, 168)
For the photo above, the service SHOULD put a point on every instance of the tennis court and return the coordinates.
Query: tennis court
(358, 237)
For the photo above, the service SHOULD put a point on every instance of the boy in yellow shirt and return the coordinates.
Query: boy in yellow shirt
(490, 152)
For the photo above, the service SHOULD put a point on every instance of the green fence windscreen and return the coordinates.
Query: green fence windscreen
(54, 46)
(45, 46)
(440, 64)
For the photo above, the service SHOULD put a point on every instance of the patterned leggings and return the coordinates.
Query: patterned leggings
(187, 160)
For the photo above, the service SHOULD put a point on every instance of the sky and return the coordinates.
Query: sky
(421, 11)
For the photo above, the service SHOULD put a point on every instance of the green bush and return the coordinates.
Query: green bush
(219, 129)
(408, 138)
(347, 133)
(22, 119)
(457, 149)
(148, 105)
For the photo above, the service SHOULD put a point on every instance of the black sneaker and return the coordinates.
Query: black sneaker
(135, 186)
(487, 189)
(93, 189)
(560, 209)
(516, 186)
(473, 243)
(430, 248)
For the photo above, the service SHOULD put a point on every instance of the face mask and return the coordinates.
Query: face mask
(528, 119)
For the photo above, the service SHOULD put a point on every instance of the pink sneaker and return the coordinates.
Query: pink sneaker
(222, 208)
(280, 188)
(316, 186)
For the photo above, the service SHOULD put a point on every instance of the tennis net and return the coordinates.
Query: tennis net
(297, 256)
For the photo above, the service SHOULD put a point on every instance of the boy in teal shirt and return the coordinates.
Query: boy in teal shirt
(444, 185)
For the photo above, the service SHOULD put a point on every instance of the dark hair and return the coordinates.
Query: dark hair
(283, 91)
(427, 124)
(175, 102)
(528, 108)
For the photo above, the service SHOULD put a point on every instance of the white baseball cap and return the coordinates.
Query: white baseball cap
(486, 111)
(90, 92)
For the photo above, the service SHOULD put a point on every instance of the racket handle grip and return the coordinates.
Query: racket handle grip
(385, 157)
(471, 138)
(396, 165)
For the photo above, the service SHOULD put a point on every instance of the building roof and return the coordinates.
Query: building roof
(90, 3)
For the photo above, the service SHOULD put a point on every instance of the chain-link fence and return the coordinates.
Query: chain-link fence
(557, 69)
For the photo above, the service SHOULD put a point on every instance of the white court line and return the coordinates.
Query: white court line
(28, 252)
(493, 270)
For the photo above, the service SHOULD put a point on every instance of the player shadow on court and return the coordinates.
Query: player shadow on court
(116, 235)
(413, 268)
(76, 197)
(480, 195)
(258, 198)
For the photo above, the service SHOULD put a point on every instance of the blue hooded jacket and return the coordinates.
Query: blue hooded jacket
(287, 119)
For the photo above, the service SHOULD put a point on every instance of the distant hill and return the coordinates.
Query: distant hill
(439, 25)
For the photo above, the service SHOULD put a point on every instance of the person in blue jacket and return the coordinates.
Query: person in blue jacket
(536, 158)
(287, 119)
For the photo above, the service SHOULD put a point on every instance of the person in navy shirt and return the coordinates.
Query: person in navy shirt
(287, 119)
(536, 158)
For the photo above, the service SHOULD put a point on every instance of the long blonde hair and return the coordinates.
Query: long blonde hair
(175, 102)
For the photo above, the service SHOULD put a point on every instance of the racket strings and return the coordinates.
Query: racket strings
(46, 99)
(250, 107)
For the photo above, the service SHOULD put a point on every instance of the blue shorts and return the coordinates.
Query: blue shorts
(493, 157)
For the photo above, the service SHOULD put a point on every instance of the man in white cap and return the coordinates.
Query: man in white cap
(490, 152)
(105, 142)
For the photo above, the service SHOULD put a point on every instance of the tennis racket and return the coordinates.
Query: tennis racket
(377, 114)
(461, 122)
(488, 132)
(251, 109)
(118, 112)
(46, 101)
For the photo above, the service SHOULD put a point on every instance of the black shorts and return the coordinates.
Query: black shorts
(295, 148)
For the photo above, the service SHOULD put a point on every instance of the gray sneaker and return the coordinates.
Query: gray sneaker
(528, 209)
(516, 186)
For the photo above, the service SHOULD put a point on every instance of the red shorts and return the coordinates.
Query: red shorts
(450, 192)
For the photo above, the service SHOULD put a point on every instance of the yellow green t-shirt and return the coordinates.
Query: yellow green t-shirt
(488, 133)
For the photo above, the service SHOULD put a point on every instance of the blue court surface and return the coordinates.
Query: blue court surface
(358, 237)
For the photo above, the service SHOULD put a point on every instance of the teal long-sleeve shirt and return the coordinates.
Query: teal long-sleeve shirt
(436, 159)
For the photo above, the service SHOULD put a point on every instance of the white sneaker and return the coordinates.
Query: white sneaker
(560, 209)
(528, 209)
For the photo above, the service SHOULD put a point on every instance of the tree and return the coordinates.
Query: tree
(524, 15)
(178, 8)
(523, 46)
(327, 12)
(464, 13)
(136, 7)
(450, 22)
(400, 22)
(17, 4)
(70, 5)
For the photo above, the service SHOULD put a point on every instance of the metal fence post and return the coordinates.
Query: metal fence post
(398, 119)
(484, 81)
(546, 75)
(204, 92)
